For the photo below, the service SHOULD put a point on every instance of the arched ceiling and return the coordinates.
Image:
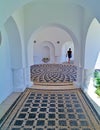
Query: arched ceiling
(8, 7)
(53, 33)
(15, 45)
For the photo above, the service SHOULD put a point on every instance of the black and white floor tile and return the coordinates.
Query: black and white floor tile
(51, 110)
(53, 73)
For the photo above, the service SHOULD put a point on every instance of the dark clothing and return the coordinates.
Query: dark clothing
(69, 53)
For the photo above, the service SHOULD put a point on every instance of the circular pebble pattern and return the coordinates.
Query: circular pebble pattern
(53, 73)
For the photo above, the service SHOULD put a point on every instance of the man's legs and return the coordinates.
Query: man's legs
(68, 60)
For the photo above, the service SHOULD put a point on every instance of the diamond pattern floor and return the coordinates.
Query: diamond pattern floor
(51, 110)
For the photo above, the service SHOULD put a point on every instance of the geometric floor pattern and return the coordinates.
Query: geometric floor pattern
(50, 110)
(53, 74)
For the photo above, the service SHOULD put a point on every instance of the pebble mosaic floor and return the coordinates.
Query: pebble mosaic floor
(53, 74)
(51, 110)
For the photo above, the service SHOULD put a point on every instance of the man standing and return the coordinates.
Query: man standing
(69, 54)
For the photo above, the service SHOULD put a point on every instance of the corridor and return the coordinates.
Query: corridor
(39, 89)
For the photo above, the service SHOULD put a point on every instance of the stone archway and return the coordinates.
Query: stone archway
(38, 52)
(65, 47)
(74, 39)
(30, 60)
(13, 5)
(16, 55)
(92, 49)
(92, 46)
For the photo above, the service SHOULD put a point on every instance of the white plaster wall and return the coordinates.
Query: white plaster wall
(92, 57)
(15, 31)
(12, 5)
(6, 86)
(8, 7)
(92, 45)
(40, 52)
(18, 16)
(15, 43)
(46, 51)
(24, 71)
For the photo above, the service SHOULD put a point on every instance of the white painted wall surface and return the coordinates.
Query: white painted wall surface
(92, 45)
(41, 14)
(15, 43)
(6, 87)
(19, 19)
(43, 50)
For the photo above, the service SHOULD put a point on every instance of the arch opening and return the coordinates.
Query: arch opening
(65, 48)
(42, 50)
(58, 52)
(92, 58)
(16, 55)
(92, 47)
(15, 43)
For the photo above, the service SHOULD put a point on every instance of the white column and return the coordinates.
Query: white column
(77, 83)
(28, 81)
(88, 78)
(57, 59)
(18, 80)
(21, 79)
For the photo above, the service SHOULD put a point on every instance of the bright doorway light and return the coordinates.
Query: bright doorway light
(97, 65)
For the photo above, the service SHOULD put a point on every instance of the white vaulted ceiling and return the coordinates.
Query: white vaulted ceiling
(8, 7)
